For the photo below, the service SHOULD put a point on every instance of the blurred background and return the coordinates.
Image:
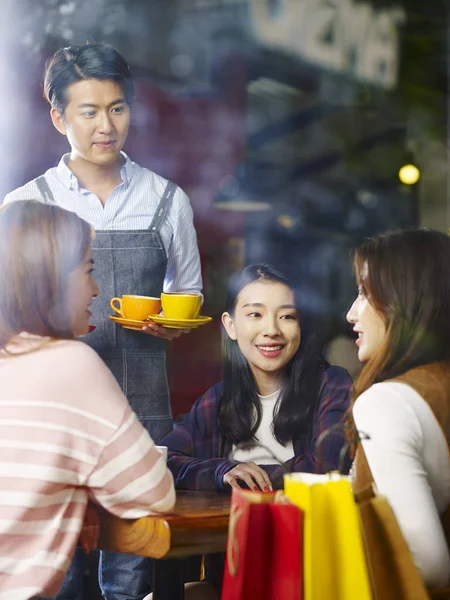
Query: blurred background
(297, 128)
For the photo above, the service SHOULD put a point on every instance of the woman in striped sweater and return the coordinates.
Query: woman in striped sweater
(67, 433)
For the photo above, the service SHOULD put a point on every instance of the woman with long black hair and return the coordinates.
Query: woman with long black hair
(278, 395)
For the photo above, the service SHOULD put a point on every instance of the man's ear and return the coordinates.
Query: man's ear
(228, 323)
(58, 121)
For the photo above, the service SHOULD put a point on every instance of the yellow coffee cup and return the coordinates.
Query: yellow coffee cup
(178, 305)
(136, 308)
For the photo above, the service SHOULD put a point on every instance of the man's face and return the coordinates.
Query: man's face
(96, 121)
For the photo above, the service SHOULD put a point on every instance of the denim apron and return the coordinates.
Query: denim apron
(131, 262)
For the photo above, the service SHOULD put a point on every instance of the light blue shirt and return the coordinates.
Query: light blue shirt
(130, 206)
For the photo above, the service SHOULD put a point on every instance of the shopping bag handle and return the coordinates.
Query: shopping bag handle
(352, 436)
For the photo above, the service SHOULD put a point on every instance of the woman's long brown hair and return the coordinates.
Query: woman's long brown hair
(40, 246)
(406, 277)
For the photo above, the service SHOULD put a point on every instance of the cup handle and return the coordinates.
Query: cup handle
(118, 310)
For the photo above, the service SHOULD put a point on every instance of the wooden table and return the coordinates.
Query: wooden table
(198, 525)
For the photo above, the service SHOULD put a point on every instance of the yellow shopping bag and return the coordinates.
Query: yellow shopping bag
(334, 561)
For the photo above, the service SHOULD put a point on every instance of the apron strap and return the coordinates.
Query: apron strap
(164, 206)
(44, 189)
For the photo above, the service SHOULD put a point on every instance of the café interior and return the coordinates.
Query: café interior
(297, 128)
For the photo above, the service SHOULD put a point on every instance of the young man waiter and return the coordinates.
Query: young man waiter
(145, 243)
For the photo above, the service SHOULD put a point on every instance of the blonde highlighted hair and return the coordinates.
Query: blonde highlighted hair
(40, 246)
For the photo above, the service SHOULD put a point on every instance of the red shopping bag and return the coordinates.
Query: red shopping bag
(264, 549)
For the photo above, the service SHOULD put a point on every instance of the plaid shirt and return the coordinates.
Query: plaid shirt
(198, 454)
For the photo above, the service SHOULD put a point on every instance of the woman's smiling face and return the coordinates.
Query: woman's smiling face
(266, 326)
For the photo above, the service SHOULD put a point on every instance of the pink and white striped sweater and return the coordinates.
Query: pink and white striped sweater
(67, 434)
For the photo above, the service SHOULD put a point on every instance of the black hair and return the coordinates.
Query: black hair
(78, 63)
(240, 409)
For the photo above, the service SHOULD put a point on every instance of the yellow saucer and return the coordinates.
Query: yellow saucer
(180, 323)
(128, 323)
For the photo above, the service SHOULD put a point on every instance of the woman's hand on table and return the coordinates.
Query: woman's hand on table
(251, 474)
